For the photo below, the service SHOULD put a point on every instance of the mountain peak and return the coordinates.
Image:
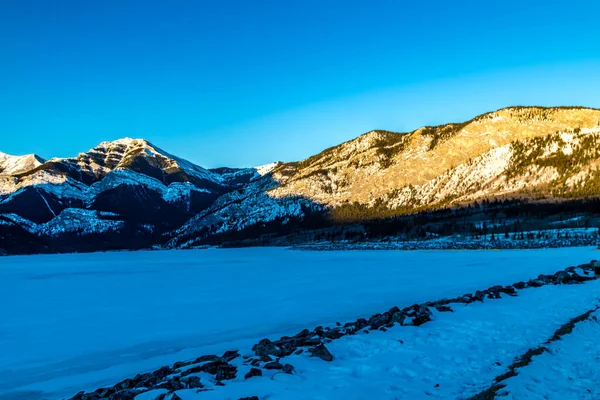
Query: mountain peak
(126, 141)
(10, 165)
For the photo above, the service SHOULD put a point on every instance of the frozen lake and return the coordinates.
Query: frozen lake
(74, 322)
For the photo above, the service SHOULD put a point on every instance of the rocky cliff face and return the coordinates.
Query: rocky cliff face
(526, 153)
(383, 165)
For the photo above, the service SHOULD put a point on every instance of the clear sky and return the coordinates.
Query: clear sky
(243, 83)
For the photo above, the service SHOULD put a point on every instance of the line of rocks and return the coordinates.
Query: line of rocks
(454, 244)
(268, 354)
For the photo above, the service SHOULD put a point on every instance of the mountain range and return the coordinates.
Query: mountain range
(515, 165)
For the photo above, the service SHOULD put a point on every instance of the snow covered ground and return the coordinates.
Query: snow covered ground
(570, 370)
(79, 322)
(454, 357)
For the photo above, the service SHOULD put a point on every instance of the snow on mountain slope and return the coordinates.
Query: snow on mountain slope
(76, 220)
(10, 165)
(240, 176)
(78, 182)
(57, 184)
(267, 168)
(175, 192)
(241, 209)
(257, 209)
(15, 219)
(125, 154)
(70, 220)
(236, 176)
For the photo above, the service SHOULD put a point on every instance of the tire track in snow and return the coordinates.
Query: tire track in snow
(526, 359)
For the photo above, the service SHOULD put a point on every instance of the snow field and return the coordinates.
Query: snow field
(453, 357)
(83, 321)
(569, 370)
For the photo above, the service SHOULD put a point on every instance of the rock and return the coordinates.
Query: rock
(210, 357)
(562, 277)
(398, 317)
(393, 310)
(86, 396)
(444, 309)
(321, 352)
(583, 275)
(152, 378)
(230, 355)
(312, 342)
(192, 382)
(411, 311)
(181, 364)
(124, 395)
(298, 352)
(360, 324)
(493, 294)
(378, 321)
(466, 298)
(596, 265)
(105, 392)
(288, 369)
(220, 369)
(520, 285)
(265, 348)
(126, 384)
(255, 363)
(225, 372)
(479, 295)
(546, 279)
(422, 316)
(219, 383)
(193, 370)
(333, 334)
(303, 334)
(172, 384)
(176, 397)
(249, 398)
(252, 373)
(273, 365)
(535, 283)
(286, 347)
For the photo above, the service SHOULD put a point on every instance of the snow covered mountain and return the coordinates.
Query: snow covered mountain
(524, 154)
(136, 155)
(106, 175)
(11, 165)
(141, 186)
(530, 154)
(387, 166)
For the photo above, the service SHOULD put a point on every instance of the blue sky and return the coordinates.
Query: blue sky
(242, 83)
